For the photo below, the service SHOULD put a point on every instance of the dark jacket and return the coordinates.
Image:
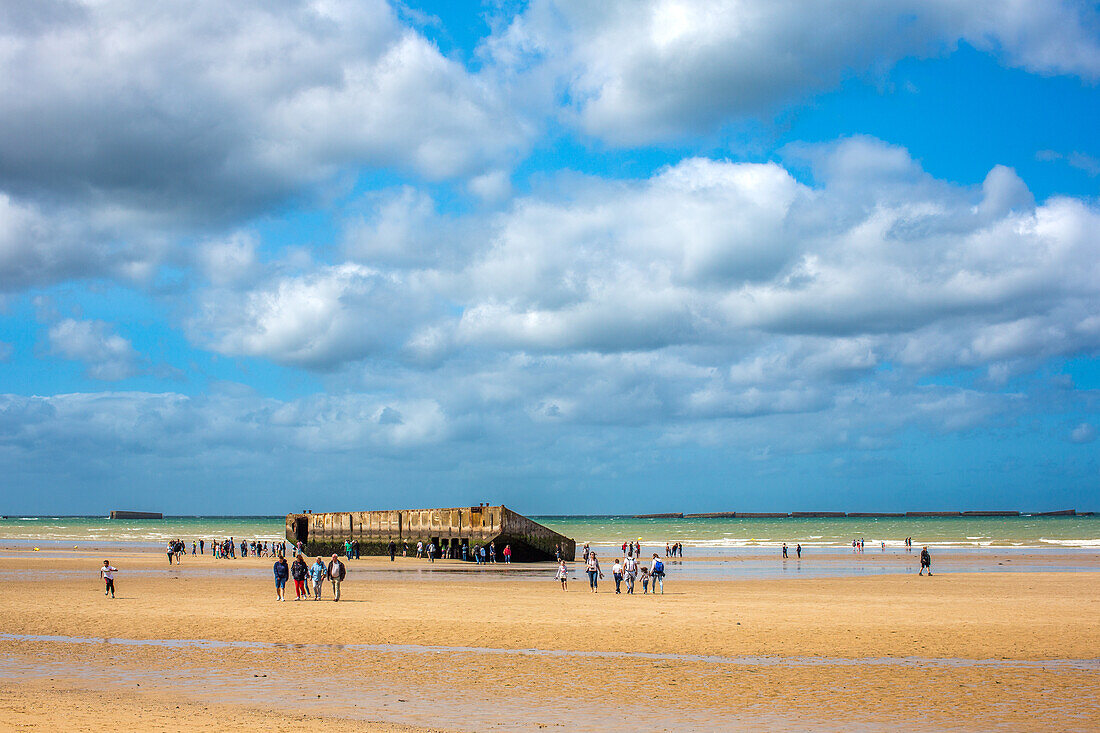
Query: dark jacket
(336, 567)
(281, 571)
(925, 558)
(299, 570)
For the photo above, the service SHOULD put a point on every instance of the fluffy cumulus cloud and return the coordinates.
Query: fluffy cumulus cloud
(712, 290)
(204, 110)
(313, 184)
(42, 244)
(877, 253)
(106, 355)
(638, 72)
(319, 319)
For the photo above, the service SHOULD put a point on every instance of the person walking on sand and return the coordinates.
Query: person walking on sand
(617, 574)
(298, 571)
(317, 573)
(507, 554)
(630, 572)
(107, 572)
(798, 551)
(336, 572)
(282, 572)
(169, 550)
(393, 550)
(925, 561)
(658, 573)
(563, 573)
(645, 580)
(592, 567)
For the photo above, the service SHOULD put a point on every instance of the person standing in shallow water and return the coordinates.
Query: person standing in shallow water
(798, 551)
(784, 550)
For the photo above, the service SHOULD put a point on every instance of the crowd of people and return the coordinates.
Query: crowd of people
(309, 580)
(626, 571)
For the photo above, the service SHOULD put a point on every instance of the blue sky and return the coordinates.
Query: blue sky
(575, 258)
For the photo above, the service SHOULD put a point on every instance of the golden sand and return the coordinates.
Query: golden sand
(972, 651)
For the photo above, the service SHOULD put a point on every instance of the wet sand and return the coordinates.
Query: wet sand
(975, 651)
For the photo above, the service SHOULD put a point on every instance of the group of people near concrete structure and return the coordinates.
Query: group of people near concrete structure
(226, 549)
(308, 580)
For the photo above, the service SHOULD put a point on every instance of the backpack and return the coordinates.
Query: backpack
(658, 567)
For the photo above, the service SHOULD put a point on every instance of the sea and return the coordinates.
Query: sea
(718, 535)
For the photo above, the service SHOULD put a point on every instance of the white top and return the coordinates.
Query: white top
(107, 572)
(617, 569)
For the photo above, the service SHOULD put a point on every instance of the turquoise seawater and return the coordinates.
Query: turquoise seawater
(1024, 532)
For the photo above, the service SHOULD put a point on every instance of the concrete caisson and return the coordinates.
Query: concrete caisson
(325, 534)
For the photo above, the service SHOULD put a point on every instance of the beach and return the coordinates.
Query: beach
(455, 648)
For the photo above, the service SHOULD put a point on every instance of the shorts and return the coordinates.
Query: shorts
(280, 583)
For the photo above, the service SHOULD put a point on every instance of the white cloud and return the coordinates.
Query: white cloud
(106, 355)
(638, 72)
(174, 423)
(204, 110)
(318, 320)
(41, 245)
(1083, 433)
(875, 265)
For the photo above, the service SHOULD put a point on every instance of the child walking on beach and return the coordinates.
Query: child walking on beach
(645, 580)
(107, 572)
(563, 573)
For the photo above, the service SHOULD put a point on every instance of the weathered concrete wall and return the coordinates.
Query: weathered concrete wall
(374, 530)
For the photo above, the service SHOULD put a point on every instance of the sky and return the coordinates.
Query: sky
(572, 257)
